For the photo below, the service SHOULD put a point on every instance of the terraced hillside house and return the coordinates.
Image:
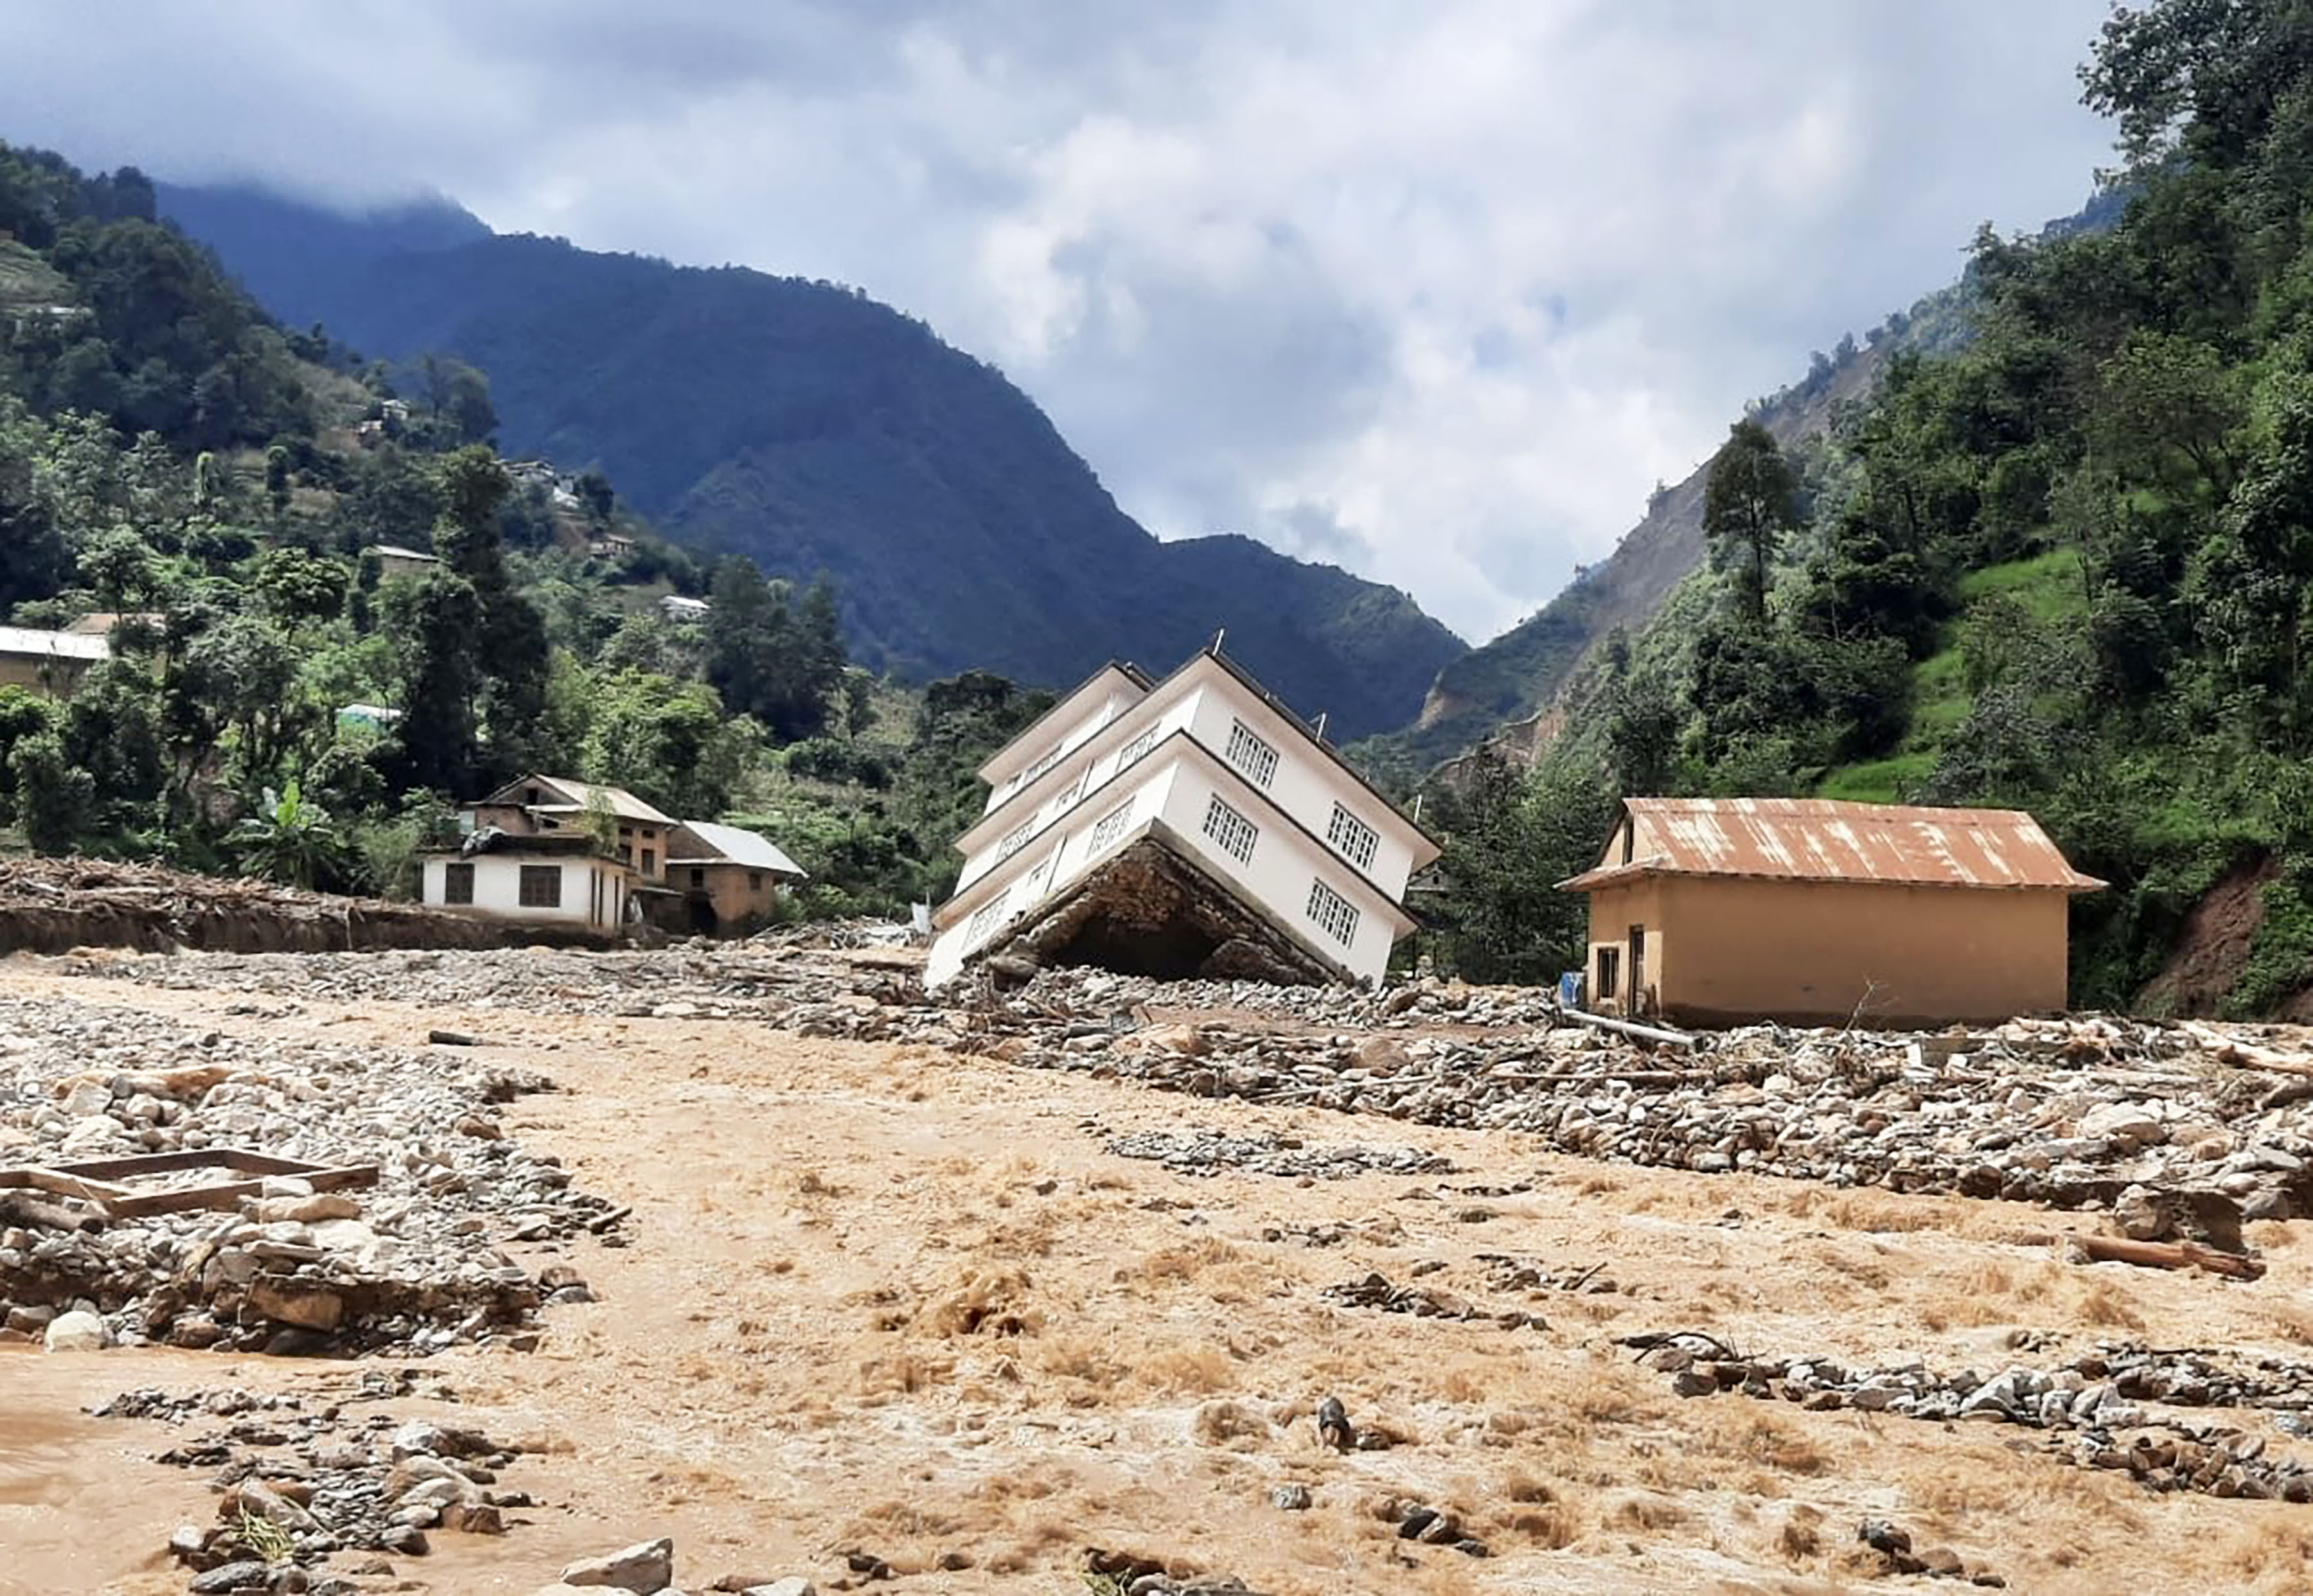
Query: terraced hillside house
(50, 663)
(554, 848)
(396, 563)
(1182, 827)
(1720, 910)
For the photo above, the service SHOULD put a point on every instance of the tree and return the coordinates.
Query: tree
(1751, 499)
(459, 396)
(439, 732)
(52, 797)
(2199, 76)
(290, 840)
(296, 587)
(1510, 841)
(118, 566)
(1643, 729)
(594, 492)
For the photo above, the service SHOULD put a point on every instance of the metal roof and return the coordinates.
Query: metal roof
(736, 845)
(623, 804)
(53, 645)
(1822, 840)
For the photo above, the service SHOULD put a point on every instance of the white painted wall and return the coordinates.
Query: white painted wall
(1086, 778)
(1283, 864)
(1081, 727)
(1306, 784)
(498, 888)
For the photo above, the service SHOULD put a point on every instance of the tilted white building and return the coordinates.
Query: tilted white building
(1240, 794)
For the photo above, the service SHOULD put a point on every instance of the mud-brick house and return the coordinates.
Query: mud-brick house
(730, 878)
(396, 563)
(1718, 910)
(50, 663)
(1189, 826)
(554, 848)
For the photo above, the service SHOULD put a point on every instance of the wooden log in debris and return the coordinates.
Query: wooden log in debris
(2248, 1055)
(16, 1208)
(2156, 1255)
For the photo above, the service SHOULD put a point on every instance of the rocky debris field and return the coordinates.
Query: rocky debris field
(298, 1482)
(935, 1289)
(414, 1262)
(2106, 1409)
(2159, 1125)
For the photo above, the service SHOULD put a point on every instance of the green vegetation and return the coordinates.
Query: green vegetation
(2065, 564)
(169, 457)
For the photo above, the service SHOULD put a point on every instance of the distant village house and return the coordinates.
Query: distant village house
(1719, 910)
(49, 663)
(553, 848)
(395, 561)
(730, 878)
(677, 608)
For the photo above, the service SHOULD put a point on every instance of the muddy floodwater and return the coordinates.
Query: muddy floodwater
(887, 1300)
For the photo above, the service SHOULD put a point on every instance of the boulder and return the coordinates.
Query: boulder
(291, 1302)
(75, 1332)
(644, 1569)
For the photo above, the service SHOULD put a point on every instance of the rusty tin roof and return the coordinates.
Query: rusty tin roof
(1822, 840)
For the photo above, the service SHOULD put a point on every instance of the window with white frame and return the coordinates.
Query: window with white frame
(1231, 829)
(1015, 839)
(1352, 838)
(986, 918)
(1135, 751)
(1069, 794)
(1111, 827)
(1250, 754)
(1335, 914)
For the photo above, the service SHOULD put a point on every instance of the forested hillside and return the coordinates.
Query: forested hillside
(213, 492)
(2068, 568)
(817, 431)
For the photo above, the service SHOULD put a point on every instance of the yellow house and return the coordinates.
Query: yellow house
(1719, 910)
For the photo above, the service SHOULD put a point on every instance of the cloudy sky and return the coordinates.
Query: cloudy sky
(1434, 290)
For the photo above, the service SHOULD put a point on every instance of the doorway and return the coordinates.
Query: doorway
(1638, 967)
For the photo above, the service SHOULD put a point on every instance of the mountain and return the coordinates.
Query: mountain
(817, 431)
(1516, 690)
(1505, 690)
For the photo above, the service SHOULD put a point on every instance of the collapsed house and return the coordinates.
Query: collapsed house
(1718, 910)
(1191, 826)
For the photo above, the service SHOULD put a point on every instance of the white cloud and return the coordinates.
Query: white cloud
(1437, 291)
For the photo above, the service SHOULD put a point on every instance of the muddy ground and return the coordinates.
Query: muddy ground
(885, 1299)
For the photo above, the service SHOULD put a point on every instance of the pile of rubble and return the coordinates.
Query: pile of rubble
(2178, 1129)
(2094, 1401)
(299, 1483)
(409, 1258)
(2152, 1122)
(1209, 1153)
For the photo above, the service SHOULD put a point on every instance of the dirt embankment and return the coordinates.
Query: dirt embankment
(50, 905)
(2213, 948)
